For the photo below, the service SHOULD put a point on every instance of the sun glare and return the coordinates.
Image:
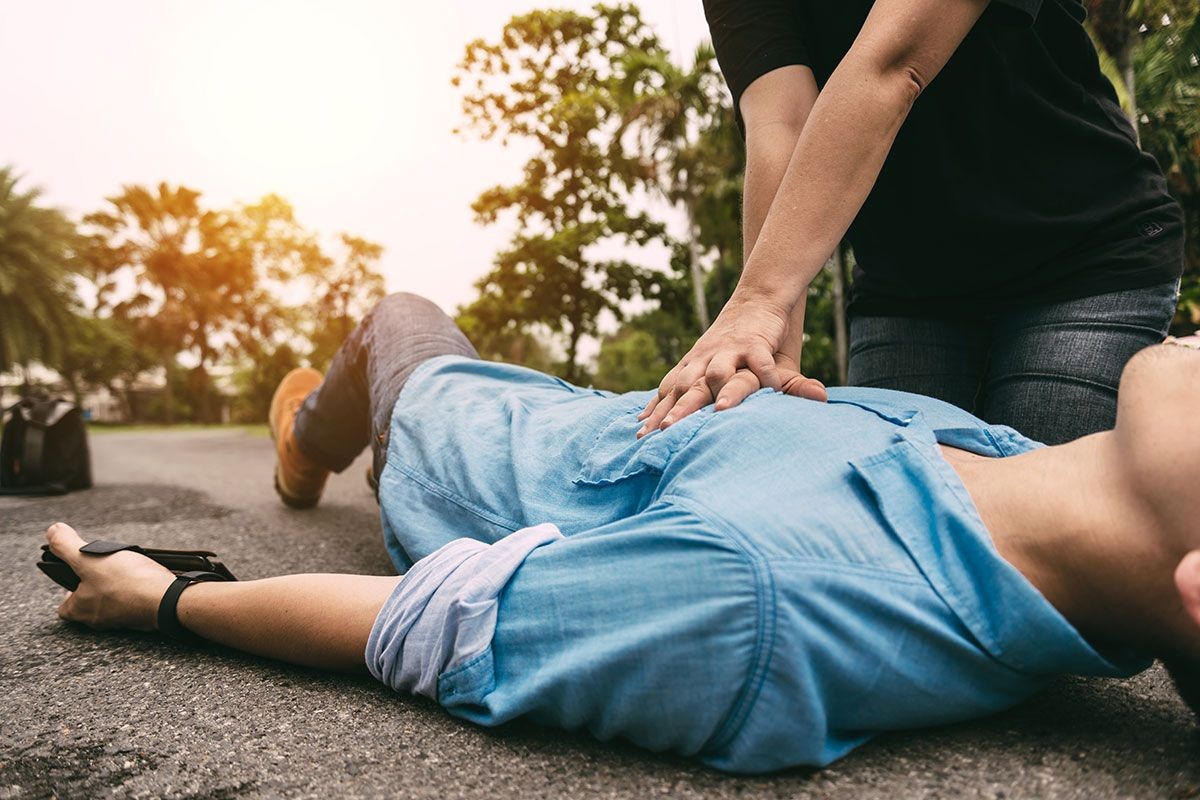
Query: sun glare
(297, 97)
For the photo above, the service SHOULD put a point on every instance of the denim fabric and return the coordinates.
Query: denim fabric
(352, 408)
(443, 614)
(761, 588)
(1049, 371)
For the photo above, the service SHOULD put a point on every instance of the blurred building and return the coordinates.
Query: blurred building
(133, 403)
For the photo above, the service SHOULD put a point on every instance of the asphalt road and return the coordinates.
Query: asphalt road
(84, 714)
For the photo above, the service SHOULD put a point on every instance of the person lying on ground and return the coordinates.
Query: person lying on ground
(759, 588)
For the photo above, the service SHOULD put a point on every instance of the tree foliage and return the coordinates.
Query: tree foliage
(1150, 49)
(551, 79)
(186, 288)
(668, 114)
(344, 288)
(173, 271)
(37, 246)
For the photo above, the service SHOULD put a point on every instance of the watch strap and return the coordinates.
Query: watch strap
(168, 616)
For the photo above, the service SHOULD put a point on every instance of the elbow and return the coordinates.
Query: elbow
(892, 87)
(912, 82)
(896, 73)
(902, 83)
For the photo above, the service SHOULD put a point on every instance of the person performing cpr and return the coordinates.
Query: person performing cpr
(1014, 245)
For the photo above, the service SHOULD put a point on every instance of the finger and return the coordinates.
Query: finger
(741, 386)
(719, 372)
(691, 374)
(808, 388)
(664, 390)
(649, 409)
(654, 421)
(670, 379)
(762, 363)
(813, 389)
(64, 542)
(693, 400)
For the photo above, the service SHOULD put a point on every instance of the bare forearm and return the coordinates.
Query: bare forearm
(314, 620)
(827, 179)
(769, 150)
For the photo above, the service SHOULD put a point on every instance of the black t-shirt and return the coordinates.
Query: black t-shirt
(1016, 179)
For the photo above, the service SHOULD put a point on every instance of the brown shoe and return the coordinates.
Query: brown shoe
(298, 479)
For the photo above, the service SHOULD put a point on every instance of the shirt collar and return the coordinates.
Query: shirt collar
(928, 508)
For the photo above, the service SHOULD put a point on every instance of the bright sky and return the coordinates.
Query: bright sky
(344, 108)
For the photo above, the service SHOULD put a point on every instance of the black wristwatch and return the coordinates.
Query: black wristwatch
(168, 618)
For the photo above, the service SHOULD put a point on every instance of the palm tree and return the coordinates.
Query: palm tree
(1121, 27)
(36, 249)
(666, 108)
(175, 273)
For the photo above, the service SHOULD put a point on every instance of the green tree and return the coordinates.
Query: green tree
(176, 273)
(344, 290)
(667, 111)
(263, 367)
(101, 352)
(630, 361)
(1150, 49)
(497, 337)
(1167, 66)
(551, 79)
(36, 251)
(1119, 28)
(289, 265)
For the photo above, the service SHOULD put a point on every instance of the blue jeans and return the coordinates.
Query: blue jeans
(353, 407)
(1049, 371)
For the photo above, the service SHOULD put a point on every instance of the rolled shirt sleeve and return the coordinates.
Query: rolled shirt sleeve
(753, 37)
(443, 612)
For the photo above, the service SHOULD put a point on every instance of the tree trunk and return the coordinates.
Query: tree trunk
(572, 370)
(76, 388)
(702, 318)
(168, 394)
(841, 334)
(123, 396)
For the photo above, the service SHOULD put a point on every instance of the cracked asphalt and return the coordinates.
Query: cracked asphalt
(87, 715)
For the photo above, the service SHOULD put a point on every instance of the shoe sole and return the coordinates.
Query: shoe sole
(291, 501)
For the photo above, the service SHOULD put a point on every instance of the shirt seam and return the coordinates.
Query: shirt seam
(837, 565)
(454, 498)
(765, 627)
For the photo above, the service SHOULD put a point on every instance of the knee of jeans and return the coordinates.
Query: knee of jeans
(405, 303)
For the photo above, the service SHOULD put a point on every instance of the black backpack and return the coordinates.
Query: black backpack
(44, 449)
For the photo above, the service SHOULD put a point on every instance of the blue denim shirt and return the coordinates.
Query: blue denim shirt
(761, 588)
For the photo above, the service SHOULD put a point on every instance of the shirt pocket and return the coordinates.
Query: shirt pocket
(617, 455)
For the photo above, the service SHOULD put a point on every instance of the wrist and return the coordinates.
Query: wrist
(168, 617)
(149, 598)
(749, 296)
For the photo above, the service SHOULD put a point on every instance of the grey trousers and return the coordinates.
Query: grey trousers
(353, 407)
(1049, 371)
